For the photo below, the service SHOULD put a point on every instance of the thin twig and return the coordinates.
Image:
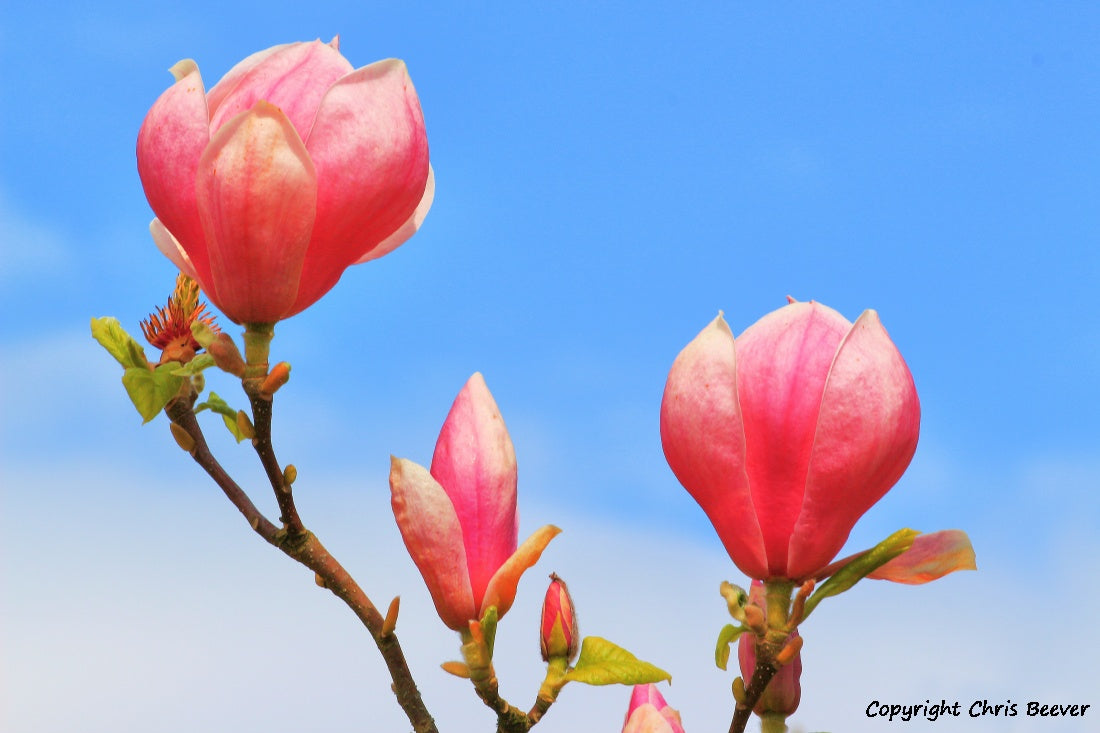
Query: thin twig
(304, 547)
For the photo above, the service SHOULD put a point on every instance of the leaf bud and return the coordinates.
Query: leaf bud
(276, 378)
(226, 354)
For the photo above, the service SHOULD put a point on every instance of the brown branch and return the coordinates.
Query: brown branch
(261, 418)
(761, 676)
(304, 547)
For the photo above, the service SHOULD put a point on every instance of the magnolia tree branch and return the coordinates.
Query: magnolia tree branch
(303, 546)
(761, 676)
(261, 416)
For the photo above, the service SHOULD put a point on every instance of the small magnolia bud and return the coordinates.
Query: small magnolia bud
(739, 690)
(290, 474)
(183, 438)
(279, 375)
(458, 669)
(559, 637)
(754, 619)
(226, 354)
(244, 425)
(390, 622)
(790, 650)
(319, 581)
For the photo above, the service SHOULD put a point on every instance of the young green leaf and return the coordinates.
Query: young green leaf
(119, 344)
(150, 391)
(726, 637)
(860, 565)
(604, 663)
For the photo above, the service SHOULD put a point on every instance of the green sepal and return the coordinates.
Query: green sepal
(604, 663)
(726, 637)
(214, 403)
(860, 566)
(112, 336)
(489, 628)
(150, 391)
(203, 334)
(196, 365)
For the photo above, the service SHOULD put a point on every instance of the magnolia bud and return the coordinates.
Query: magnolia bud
(559, 637)
(226, 354)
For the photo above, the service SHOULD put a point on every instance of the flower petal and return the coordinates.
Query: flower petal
(170, 247)
(475, 463)
(293, 77)
(371, 152)
(931, 557)
(433, 536)
(867, 432)
(704, 442)
(501, 591)
(257, 199)
(782, 363)
(409, 228)
(170, 143)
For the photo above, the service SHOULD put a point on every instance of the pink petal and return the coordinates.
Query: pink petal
(649, 713)
(866, 435)
(704, 442)
(475, 463)
(932, 556)
(782, 363)
(293, 77)
(501, 590)
(371, 152)
(409, 228)
(433, 536)
(170, 248)
(234, 76)
(257, 195)
(170, 143)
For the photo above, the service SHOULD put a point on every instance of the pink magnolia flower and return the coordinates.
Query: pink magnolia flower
(289, 170)
(558, 633)
(788, 434)
(459, 520)
(649, 713)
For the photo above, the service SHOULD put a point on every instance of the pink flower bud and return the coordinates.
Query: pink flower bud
(558, 636)
(459, 520)
(789, 434)
(290, 169)
(649, 713)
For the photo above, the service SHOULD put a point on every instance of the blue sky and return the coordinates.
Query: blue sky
(608, 178)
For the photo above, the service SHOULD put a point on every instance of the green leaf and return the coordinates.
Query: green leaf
(150, 391)
(860, 566)
(489, 628)
(214, 403)
(121, 345)
(196, 365)
(203, 334)
(726, 637)
(604, 663)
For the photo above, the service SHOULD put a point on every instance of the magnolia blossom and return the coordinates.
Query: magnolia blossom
(788, 434)
(459, 519)
(649, 713)
(290, 169)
